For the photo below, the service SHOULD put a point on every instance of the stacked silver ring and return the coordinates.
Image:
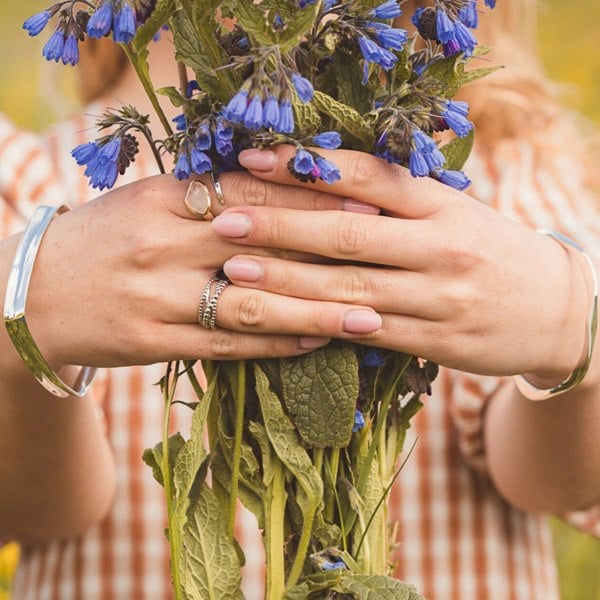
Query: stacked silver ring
(207, 311)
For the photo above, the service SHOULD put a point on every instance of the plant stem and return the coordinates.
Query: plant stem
(174, 533)
(144, 78)
(274, 504)
(240, 404)
(302, 549)
(334, 461)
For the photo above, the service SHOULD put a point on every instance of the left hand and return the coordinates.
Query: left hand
(453, 280)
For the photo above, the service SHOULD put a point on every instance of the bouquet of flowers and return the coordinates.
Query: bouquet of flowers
(310, 445)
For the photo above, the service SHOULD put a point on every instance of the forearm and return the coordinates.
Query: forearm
(56, 470)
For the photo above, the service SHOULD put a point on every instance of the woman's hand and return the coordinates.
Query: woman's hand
(118, 281)
(453, 280)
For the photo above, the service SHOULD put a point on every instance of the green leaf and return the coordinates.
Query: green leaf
(457, 151)
(160, 15)
(320, 391)
(173, 94)
(346, 118)
(210, 567)
(308, 120)
(190, 52)
(475, 74)
(444, 75)
(153, 456)
(378, 587)
(253, 20)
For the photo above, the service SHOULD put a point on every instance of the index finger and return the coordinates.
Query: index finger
(364, 177)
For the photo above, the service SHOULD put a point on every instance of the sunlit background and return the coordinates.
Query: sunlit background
(34, 93)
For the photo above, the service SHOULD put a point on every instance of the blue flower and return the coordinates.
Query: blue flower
(359, 421)
(182, 167)
(490, 3)
(103, 167)
(376, 54)
(101, 21)
(271, 112)
(200, 161)
(36, 23)
(330, 140)
(125, 26)
(468, 14)
(423, 143)
(456, 179)
(329, 4)
(372, 358)
(418, 165)
(203, 139)
(85, 153)
(303, 161)
(329, 172)
(223, 135)
(236, 107)
(445, 26)
(466, 40)
(253, 118)
(303, 87)
(387, 10)
(180, 122)
(191, 87)
(278, 22)
(70, 53)
(392, 38)
(286, 118)
(329, 566)
(428, 151)
(415, 19)
(54, 47)
(455, 115)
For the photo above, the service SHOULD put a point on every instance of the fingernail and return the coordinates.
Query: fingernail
(362, 321)
(232, 225)
(356, 206)
(310, 343)
(243, 269)
(257, 160)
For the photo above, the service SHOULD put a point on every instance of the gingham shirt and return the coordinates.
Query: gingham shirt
(457, 538)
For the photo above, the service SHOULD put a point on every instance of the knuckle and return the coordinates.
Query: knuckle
(252, 311)
(354, 287)
(275, 230)
(222, 345)
(143, 251)
(350, 236)
(252, 191)
(366, 170)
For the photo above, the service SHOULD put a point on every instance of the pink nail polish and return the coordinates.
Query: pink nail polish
(356, 206)
(362, 321)
(243, 269)
(257, 160)
(234, 225)
(310, 343)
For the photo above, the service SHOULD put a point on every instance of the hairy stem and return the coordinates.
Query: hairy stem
(274, 504)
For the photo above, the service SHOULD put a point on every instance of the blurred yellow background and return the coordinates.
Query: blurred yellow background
(34, 93)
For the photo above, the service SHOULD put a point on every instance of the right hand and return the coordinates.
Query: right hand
(118, 280)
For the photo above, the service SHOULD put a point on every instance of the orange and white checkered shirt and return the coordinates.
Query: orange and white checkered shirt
(457, 538)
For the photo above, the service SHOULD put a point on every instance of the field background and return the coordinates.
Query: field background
(34, 93)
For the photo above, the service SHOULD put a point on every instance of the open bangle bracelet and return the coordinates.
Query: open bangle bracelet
(530, 391)
(14, 309)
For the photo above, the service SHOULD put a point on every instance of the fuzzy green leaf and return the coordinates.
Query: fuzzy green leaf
(320, 391)
(457, 151)
(253, 20)
(153, 456)
(475, 74)
(445, 75)
(160, 15)
(173, 94)
(378, 587)
(210, 567)
(190, 52)
(345, 117)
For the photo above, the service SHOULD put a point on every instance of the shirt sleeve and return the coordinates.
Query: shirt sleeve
(555, 196)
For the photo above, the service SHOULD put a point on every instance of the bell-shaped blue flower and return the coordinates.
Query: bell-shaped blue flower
(445, 26)
(468, 14)
(35, 24)
(303, 161)
(125, 25)
(359, 421)
(455, 115)
(286, 118)
(418, 165)
(200, 162)
(236, 107)
(54, 47)
(253, 118)
(101, 22)
(387, 10)
(456, 179)
(70, 53)
(330, 140)
(372, 52)
(392, 38)
(203, 138)
(85, 153)
(182, 168)
(329, 172)
(303, 87)
(271, 112)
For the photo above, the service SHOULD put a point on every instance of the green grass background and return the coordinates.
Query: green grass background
(33, 93)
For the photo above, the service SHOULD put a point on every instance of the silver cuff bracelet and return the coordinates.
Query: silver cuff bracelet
(14, 309)
(530, 391)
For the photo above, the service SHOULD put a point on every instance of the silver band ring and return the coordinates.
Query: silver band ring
(207, 311)
(218, 189)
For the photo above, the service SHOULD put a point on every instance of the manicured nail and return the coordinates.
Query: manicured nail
(310, 343)
(232, 225)
(257, 160)
(355, 206)
(362, 321)
(243, 269)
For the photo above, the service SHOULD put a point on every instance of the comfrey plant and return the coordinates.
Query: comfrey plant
(310, 445)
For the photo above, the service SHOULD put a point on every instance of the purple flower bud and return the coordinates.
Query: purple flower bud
(53, 48)
(101, 21)
(191, 87)
(303, 87)
(303, 161)
(36, 23)
(330, 140)
(125, 25)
